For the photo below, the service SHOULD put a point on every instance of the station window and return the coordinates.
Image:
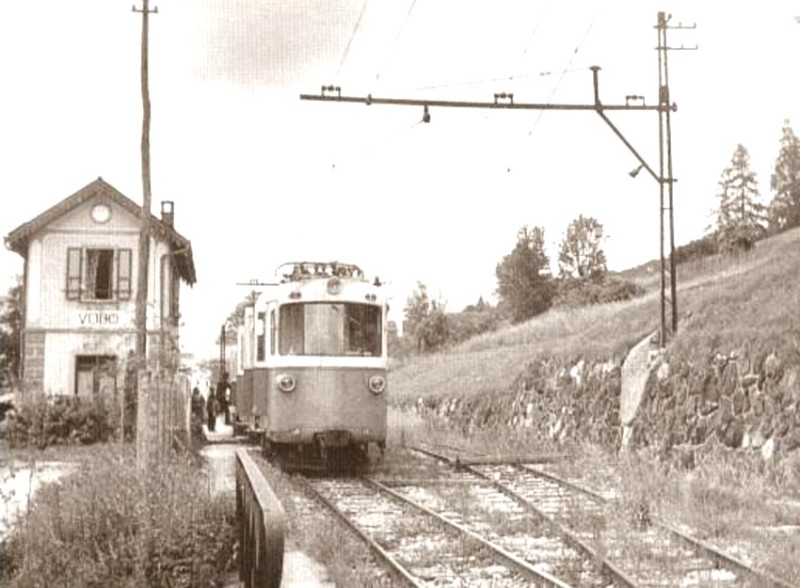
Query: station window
(98, 274)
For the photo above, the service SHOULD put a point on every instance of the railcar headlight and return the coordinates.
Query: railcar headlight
(377, 384)
(334, 286)
(285, 383)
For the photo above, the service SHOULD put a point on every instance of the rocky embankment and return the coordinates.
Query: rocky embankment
(737, 399)
(548, 398)
(734, 399)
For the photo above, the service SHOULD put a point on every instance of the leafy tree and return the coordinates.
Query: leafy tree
(580, 255)
(10, 332)
(784, 210)
(425, 321)
(524, 283)
(740, 216)
(418, 306)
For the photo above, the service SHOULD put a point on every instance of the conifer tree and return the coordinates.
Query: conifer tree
(784, 210)
(524, 283)
(740, 217)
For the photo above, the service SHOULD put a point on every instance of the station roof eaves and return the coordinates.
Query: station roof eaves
(17, 240)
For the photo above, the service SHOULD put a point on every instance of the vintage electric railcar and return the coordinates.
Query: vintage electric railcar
(312, 376)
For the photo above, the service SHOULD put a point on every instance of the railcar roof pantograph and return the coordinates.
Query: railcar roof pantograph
(308, 270)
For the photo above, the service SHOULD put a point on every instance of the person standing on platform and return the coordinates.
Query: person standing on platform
(223, 396)
(211, 411)
(198, 408)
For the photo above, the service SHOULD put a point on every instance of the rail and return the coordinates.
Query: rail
(261, 526)
(751, 575)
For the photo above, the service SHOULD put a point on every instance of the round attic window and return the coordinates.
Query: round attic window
(101, 213)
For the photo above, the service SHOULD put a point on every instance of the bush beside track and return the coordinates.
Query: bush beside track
(111, 524)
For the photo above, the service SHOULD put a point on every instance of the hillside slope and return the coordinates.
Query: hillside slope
(725, 302)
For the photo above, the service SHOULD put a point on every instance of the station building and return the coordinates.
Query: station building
(80, 276)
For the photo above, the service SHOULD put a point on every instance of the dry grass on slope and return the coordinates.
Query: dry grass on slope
(727, 301)
(491, 361)
(753, 301)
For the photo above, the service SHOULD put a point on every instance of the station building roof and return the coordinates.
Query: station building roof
(18, 239)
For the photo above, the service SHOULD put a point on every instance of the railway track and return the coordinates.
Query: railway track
(650, 553)
(425, 542)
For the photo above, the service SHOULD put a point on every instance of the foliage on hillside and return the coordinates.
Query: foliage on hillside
(426, 327)
(724, 301)
(741, 217)
(524, 283)
(581, 255)
(573, 293)
(784, 210)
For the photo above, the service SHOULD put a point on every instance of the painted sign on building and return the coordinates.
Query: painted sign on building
(113, 319)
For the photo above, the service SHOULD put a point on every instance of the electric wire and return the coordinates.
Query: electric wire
(399, 33)
(504, 78)
(566, 69)
(385, 141)
(352, 36)
(531, 37)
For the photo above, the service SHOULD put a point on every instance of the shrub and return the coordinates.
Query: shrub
(42, 421)
(471, 323)
(697, 249)
(109, 525)
(574, 293)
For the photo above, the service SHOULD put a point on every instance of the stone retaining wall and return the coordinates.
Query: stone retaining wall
(731, 399)
(548, 399)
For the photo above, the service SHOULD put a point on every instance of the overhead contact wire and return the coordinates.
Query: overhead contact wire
(399, 33)
(566, 69)
(530, 40)
(352, 36)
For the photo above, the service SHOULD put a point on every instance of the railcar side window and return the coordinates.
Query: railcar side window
(291, 330)
(324, 328)
(261, 335)
(272, 332)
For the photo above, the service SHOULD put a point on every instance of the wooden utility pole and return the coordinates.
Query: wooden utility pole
(144, 222)
(144, 441)
(664, 177)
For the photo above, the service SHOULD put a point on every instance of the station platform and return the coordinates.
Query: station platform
(222, 433)
(299, 569)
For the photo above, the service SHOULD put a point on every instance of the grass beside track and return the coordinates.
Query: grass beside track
(110, 523)
(725, 302)
(730, 499)
(748, 304)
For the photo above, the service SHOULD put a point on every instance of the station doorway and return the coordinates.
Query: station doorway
(96, 376)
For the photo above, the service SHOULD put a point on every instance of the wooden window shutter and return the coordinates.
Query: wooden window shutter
(124, 274)
(74, 272)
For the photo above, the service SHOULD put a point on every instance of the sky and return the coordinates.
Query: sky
(259, 177)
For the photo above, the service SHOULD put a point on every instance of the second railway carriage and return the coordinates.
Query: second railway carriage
(312, 361)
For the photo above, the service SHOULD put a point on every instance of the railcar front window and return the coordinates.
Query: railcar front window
(323, 328)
